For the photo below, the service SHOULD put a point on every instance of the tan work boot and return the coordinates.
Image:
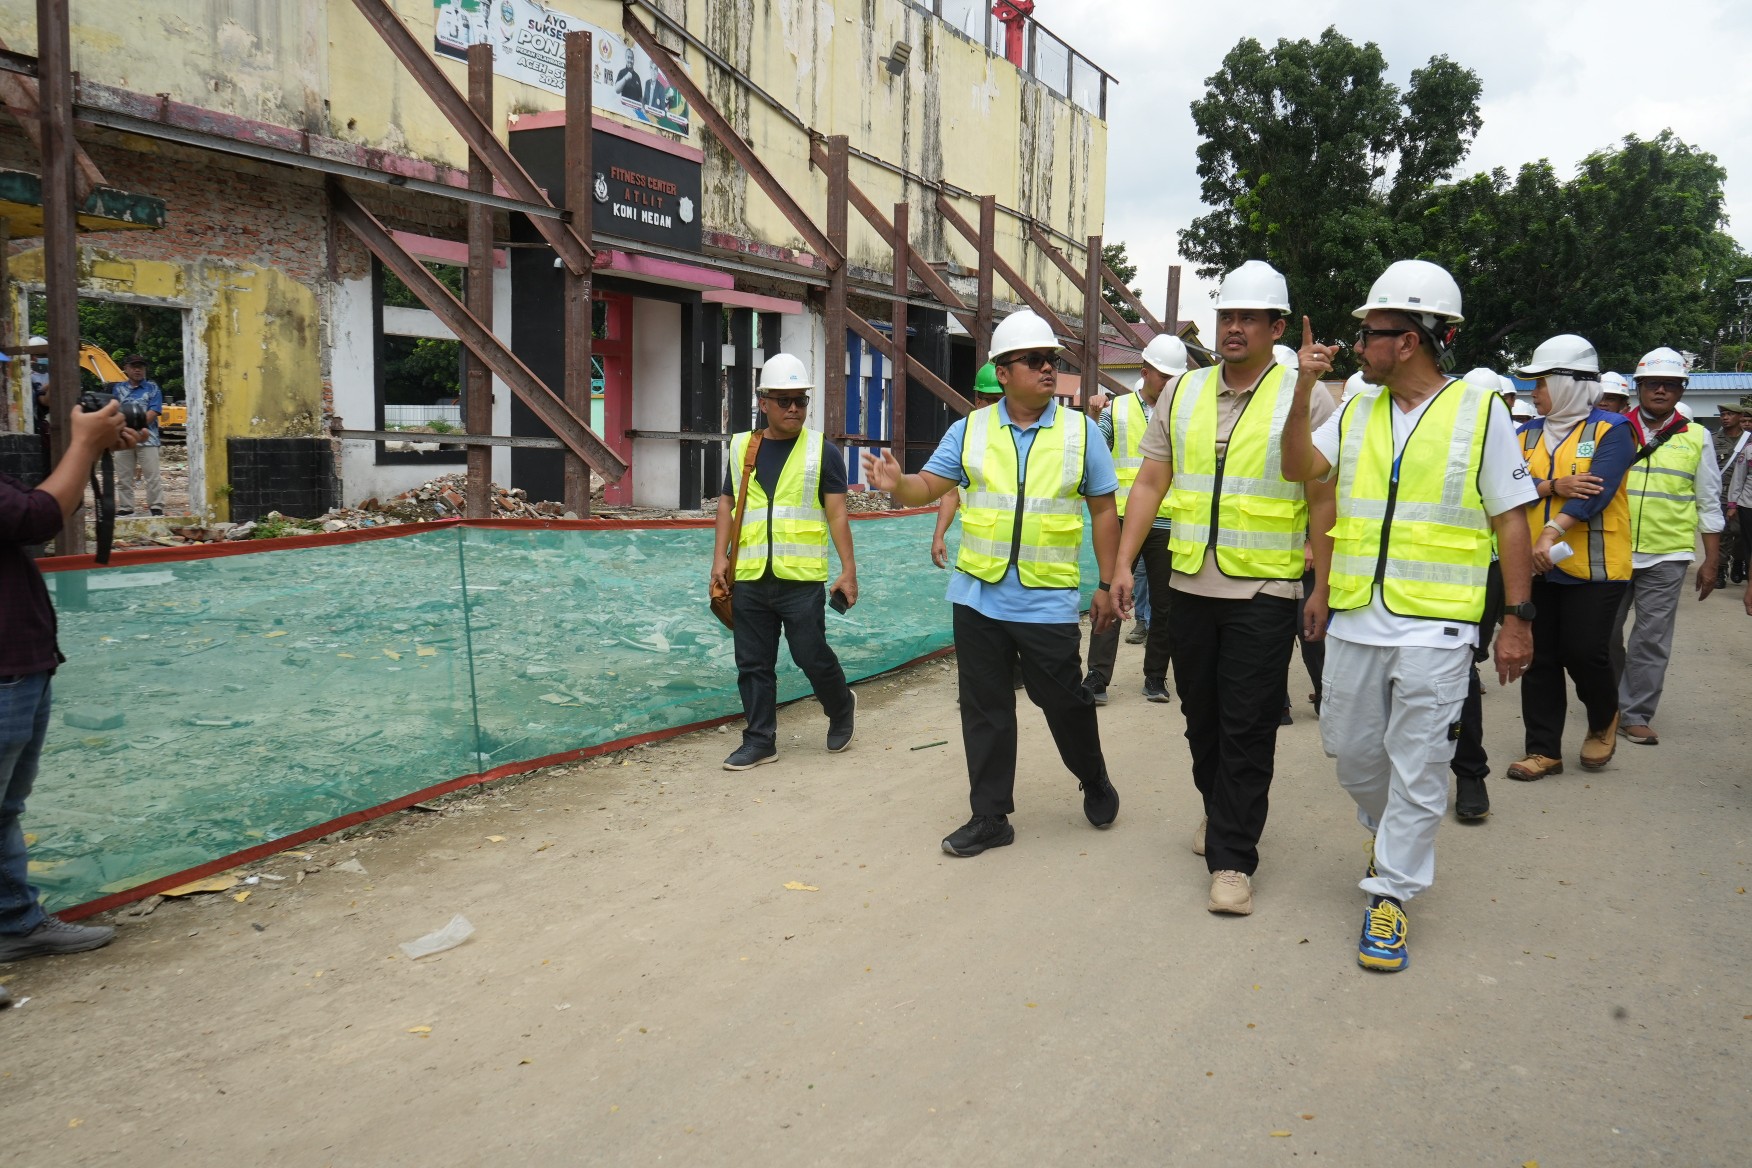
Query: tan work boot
(1598, 749)
(1535, 767)
(1198, 837)
(1231, 892)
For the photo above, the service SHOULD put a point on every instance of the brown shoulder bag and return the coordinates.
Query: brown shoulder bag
(721, 607)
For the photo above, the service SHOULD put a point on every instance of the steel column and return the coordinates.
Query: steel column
(834, 318)
(897, 315)
(60, 240)
(1093, 302)
(574, 431)
(478, 405)
(730, 139)
(988, 244)
(476, 132)
(1173, 305)
(580, 317)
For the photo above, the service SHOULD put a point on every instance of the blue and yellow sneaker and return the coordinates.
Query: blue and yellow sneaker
(1382, 946)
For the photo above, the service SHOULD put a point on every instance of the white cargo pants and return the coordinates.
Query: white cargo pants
(1389, 716)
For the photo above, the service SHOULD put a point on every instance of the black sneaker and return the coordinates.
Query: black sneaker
(1471, 800)
(1100, 801)
(124, 510)
(839, 730)
(748, 756)
(1155, 691)
(978, 834)
(158, 510)
(1097, 688)
(55, 936)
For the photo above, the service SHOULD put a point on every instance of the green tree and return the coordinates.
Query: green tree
(1314, 161)
(1113, 254)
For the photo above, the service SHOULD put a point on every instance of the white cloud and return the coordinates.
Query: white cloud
(1560, 80)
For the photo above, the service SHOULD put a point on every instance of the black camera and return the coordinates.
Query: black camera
(133, 413)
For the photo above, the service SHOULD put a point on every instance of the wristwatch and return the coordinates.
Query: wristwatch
(1104, 586)
(1524, 610)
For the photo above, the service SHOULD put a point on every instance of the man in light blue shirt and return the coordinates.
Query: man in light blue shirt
(150, 398)
(1017, 505)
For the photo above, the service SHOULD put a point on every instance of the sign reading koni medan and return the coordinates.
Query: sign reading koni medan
(644, 193)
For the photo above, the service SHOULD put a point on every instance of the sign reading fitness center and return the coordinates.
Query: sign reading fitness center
(645, 194)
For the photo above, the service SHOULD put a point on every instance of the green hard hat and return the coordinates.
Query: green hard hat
(986, 380)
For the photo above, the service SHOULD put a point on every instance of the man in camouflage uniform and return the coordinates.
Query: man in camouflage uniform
(1735, 434)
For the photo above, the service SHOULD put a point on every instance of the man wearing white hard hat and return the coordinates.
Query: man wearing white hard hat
(1675, 495)
(1237, 543)
(1123, 424)
(1580, 526)
(1027, 468)
(1614, 393)
(1428, 472)
(796, 502)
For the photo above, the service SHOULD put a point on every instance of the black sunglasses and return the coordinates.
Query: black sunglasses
(1363, 335)
(787, 403)
(1037, 361)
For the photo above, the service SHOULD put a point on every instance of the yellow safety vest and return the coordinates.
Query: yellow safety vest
(1240, 506)
(1129, 424)
(791, 528)
(1602, 548)
(1033, 520)
(1413, 526)
(1662, 490)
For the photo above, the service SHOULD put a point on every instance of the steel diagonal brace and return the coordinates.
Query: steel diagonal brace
(572, 249)
(731, 140)
(918, 372)
(567, 426)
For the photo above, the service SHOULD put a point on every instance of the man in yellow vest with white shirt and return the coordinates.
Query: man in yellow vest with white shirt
(1123, 424)
(1236, 548)
(1027, 468)
(1428, 468)
(1675, 493)
(796, 503)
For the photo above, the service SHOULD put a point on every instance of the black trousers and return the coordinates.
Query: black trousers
(1313, 652)
(986, 652)
(1571, 634)
(1232, 668)
(1470, 760)
(1104, 647)
(764, 608)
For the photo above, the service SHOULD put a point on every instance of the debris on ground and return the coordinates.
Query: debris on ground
(449, 937)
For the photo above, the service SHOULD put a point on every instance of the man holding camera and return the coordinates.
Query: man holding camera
(28, 658)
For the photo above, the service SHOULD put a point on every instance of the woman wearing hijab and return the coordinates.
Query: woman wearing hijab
(1578, 455)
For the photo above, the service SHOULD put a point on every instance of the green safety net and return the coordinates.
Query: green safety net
(209, 706)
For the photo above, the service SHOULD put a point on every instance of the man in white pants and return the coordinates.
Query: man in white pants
(1428, 468)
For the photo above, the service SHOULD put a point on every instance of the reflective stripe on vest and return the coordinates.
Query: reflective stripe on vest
(1034, 522)
(1602, 547)
(1662, 492)
(1414, 527)
(1129, 424)
(791, 527)
(1260, 521)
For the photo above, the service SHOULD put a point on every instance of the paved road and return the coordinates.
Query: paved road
(643, 987)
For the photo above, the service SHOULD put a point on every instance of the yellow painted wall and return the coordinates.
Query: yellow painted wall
(259, 374)
(958, 114)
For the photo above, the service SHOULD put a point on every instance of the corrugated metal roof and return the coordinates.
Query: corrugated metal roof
(1738, 382)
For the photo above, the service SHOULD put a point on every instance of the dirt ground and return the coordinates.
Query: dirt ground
(675, 964)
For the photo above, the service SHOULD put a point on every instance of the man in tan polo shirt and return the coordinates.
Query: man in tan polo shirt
(1238, 535)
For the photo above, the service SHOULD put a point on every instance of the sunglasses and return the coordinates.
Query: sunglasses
(790, 403)
(1364, 335)
(1037, 361)
(1659, 387)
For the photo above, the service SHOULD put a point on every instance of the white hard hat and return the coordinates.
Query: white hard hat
(1522, 409)
(1662, 362)
(1021, 331)
(1166, 353)
(1419, 287)
(1614, 383)
(38, 341)
(783, 371)
(1487, 379)
(1564, 353)
(1353, 385)
(1685, 411)
(1286, 356)
(1255, 284)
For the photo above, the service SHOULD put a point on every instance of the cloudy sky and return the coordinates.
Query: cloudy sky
(1560, 80)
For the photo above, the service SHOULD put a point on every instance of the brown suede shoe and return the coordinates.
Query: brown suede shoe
(1535, 767)
(1598, 749)
(1641, 735)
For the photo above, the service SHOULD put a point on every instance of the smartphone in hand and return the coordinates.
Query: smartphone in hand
(837, 601)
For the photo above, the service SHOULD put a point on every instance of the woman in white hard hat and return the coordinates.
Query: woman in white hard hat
(1577, 455)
